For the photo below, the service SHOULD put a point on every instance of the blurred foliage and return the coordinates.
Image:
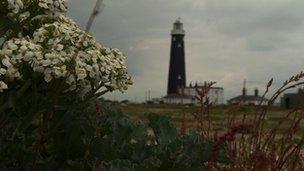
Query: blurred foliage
(84, 137)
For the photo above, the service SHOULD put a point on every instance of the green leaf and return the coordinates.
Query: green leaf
(163, 128)
(223, 156)
(96, 148)
(75, 144)
(119, 165)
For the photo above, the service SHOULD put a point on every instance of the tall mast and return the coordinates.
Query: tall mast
(95, 12)
(244, 88)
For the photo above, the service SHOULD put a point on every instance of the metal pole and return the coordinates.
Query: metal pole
(149, 95)
(95, 12)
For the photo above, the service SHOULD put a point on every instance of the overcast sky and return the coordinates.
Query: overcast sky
(226, 41)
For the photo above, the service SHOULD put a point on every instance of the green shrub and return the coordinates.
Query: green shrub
(76, 139)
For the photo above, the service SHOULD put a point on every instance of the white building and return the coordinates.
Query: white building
(179, 99)
(187, 95)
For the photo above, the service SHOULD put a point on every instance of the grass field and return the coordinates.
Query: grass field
(219, 115)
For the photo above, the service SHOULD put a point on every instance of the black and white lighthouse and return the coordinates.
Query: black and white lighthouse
(177, 73)
(178, 92)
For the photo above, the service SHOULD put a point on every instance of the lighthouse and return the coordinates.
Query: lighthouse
(177, 91)
(177, 68)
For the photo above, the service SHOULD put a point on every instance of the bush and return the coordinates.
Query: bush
(89, 139)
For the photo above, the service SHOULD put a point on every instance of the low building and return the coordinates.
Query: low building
(293, 100)
(179, 99)
(187, 95)
(245, 99)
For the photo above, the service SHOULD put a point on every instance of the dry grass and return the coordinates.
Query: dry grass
(219, 115)
(257, 138)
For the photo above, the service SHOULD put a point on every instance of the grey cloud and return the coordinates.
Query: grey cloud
(226, 41)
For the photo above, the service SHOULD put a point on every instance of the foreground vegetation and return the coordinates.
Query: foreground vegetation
(51, 76)
(183, 114)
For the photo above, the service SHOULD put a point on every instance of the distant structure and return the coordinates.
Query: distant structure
(215, 94)
(293, 100)
(177, 91)
(245, 99)
(95, 12)
(179, 99)
(177, 68)
(188, 94)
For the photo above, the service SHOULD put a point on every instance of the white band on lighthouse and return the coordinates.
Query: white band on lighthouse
(178, 28)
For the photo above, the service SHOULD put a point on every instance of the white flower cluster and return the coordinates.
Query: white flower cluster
(53, 5)
(13, 53)
(18, 8)
(62, 50)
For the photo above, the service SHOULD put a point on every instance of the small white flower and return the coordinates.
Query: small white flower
(28, 56)
(12, 46)
(3, 86)
(32, 46)
(85, 43)
(46, 62)
(24, 16)
(49, 55)
(59, 47)
(11, 1)
(63, 7)
(51, 42)
(23, 48)
(2, 71)
(48, 78)
(70, 79)
(43, 5)
(48, 75)
(6, 62)
(89, 68)
(81, 73)
(92, 74)
(12, 73)
(38, 55)
(60, 71)
(55, 61)
(19, 3)
(17, 42)
(6, 52)
(21, 42)
(56, 3)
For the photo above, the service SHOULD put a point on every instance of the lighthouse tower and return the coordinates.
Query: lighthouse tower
(177, 73)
